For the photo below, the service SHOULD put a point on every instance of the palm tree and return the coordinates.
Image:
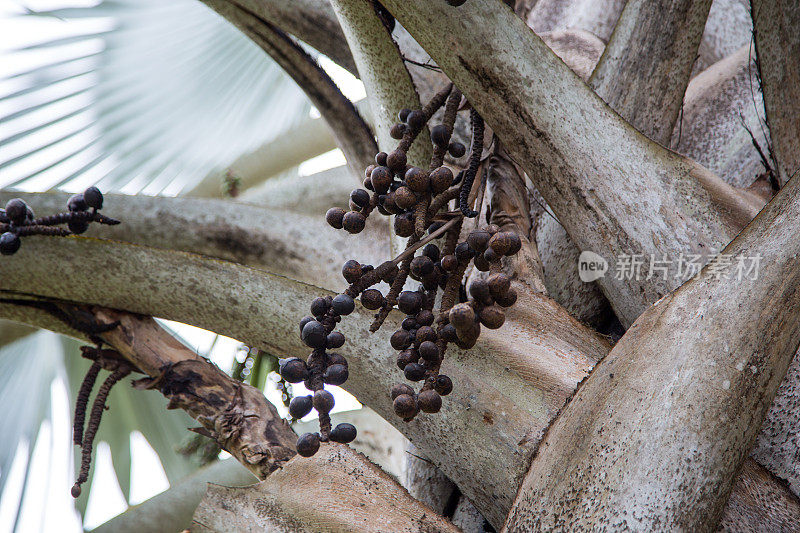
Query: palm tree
(626, 138)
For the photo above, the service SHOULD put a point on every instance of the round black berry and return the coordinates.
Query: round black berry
(403, 115)
(323, 401)
(93, 197)
(300, 406)
(334, 217)
(9, 243)
(405, 357)
(314, 334)
(425, 318)
(343, 433)
(421, 266)
(17, 211)
(401, 339)
(409, 302)
(457, 149)
(78, 226)
(443, 385)
(319, 306)
(303, 321)
(77, 203)
(354, 222)
(380, 159)
(343, 304)
(351, 271)
(372, 299)
(440, 136)
(401, 388)
(335, 375)
(429, 401)
(405, 406)
(293, 370)
(360, 197)
(335, 340)
(397, 131)
(414, 372)
(308, 444)
(416, 119)
(429, 351)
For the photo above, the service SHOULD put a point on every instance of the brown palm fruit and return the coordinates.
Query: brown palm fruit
(352, 271)
(443, 385)
(417, 180)
(490, 256)
(462, 317)
(425, 333)
(492, 316)
(404, 198)
(449, 263)
(380, 158)
(478, 240)
(509, 299)
(334, 217)
(501, 242)
(404, 225)
(429, 351)
(425, 318)
(396, 161)
(481, 264)
(381, 179)
(479, 289)
(401, 388)
(354, 222)
(468, 337)
(499, 284)
(372, 299)
(429, 401)
(441, 179)
(405, 406)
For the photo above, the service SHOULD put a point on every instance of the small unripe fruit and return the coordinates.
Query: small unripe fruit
(401, 388)
(429, 401)
(335, 375)
(93, 197)
(300, 406)
(307, 444)
(334, 217)
(405, 406)
(335, 340)
(314, 335)
(323, 401)
(443, 385)
(343, 304)
(293, 370)
(9, 243)
(343, 433)
(372, 299)
(354, 222)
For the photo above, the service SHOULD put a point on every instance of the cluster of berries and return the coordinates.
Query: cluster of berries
(420, 200)
(17, 219)
(322, 367)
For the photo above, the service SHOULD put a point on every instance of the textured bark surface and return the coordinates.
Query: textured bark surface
(282, 242)
(728, 28)
(689, 384)
(524, 372)
(616, 192)
(595, 16)
(236, 415)
(646, 66)
(338, 489)
(720, 105)
(777, 40)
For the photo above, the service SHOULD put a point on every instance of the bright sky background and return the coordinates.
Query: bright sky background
(52, 472)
